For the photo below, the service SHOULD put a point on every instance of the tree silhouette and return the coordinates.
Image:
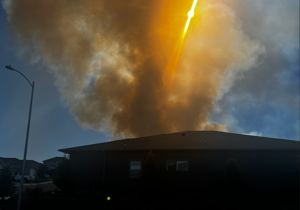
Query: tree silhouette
(297, 177)
(6, 182)
(232, 177)
(42, 170)
(64, 178)
(151, 178)
(232, 172)
(149, 164)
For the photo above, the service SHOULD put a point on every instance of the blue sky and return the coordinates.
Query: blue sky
(264, 102)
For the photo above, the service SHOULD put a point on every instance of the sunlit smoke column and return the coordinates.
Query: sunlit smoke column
(175, 57)
(109, 60)
(190, 15)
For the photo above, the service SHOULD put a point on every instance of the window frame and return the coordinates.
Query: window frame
(177, 160)
(130, 168)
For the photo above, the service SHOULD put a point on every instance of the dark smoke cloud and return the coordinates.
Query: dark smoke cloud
(109, 59)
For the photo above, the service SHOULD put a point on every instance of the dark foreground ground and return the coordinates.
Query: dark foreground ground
(57, 201)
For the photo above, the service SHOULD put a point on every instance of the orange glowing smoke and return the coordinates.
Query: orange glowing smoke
(175, 57)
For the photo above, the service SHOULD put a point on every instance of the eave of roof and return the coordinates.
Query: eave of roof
(192, 140)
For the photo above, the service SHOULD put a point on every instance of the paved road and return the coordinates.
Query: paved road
(47, 186)
(32, 184)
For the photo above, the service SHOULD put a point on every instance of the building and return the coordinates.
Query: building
(15, 164)
(190, 159)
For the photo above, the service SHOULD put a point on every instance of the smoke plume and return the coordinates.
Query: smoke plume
(109, 60)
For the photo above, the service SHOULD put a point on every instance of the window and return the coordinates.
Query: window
(135, 169)
(173, 165)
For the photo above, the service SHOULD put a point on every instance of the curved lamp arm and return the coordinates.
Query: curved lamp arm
(11, 68)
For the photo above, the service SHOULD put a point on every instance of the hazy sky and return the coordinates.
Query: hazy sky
(254, 92)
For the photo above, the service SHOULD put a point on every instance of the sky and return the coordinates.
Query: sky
(105, 72)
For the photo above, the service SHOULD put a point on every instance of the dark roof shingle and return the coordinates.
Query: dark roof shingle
(17, 161)
(191, 140)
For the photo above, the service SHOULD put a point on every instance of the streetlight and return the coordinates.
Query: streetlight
(28, 125)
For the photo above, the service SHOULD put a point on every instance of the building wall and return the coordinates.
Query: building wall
(88, 170)
(15, 167)
(29, 170)
(263, 170)
(32, 172)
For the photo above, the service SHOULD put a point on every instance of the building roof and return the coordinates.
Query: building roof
(32, 163)
(9, 159)
(54, 159)
(17, 161)
(191, 140)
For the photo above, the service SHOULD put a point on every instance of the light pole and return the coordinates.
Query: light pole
(27, 134)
